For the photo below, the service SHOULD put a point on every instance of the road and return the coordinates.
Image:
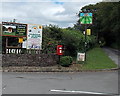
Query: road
(113, 54)
(43, 83)
(57, 83)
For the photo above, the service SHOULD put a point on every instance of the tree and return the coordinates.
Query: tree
(51, 38)
(106, 22)
(74, 41)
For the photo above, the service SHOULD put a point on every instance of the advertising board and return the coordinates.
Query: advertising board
(80, 56)
(34, 36)
(14, 29)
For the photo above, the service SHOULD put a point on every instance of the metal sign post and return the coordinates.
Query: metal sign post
(85, 19)
(85, 40)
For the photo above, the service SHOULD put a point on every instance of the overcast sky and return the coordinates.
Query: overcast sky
(44, 12)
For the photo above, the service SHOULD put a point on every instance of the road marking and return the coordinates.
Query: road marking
(82, 92)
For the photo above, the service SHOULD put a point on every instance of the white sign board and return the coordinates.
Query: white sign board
(34, 36)
(24, 44)
(81, 57)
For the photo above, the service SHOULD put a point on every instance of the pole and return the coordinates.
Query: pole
(6, 44)
(85, 40)
(59, 62)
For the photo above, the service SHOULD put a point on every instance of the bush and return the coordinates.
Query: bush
(66, 61)
(74, 41)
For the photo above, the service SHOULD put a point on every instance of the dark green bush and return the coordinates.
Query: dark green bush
(74, 41)
(66, 61)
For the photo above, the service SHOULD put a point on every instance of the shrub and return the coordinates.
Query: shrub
(66, 61)
(74, 41)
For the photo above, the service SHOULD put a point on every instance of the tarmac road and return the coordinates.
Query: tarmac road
(113, 54)
(43, 83)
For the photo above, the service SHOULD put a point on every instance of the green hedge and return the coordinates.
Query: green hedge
(66, 61)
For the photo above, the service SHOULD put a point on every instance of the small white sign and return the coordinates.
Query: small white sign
(81, 57)
(24, 44)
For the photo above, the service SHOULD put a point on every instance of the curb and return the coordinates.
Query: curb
(97, 70)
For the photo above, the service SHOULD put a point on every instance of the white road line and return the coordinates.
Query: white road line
(82, 92)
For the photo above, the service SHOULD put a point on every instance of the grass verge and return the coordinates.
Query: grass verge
(98, 59)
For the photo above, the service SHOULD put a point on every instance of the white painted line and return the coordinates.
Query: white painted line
(82, 92)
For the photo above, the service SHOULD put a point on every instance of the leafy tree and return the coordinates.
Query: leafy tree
(74, 41)
(51, 38)
(106, 22)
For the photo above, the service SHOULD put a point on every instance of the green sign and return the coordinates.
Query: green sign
(14, 29)
(86, 18)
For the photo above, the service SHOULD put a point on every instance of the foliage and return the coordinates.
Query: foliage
(66, 61)
(74, 41)
(106, 22)
(71, 40)
(51, 38)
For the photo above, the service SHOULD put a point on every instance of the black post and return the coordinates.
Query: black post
(6, 38)
(85, 40)
(58, 61)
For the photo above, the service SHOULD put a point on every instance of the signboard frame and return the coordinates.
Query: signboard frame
(83, 13)
(79, 58)
(33, 39)
(14, 27)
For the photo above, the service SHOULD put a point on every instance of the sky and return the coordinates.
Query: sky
(43, 12)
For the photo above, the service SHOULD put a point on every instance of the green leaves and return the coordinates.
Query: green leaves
(66, 61)
(106, 22)
(51, 38)
(74, 41)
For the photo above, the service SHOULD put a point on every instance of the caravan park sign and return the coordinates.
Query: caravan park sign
(14, 29)
(34, 36)
(33, 32)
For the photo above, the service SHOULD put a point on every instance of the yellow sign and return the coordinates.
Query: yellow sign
(88, 31)
(20, 40)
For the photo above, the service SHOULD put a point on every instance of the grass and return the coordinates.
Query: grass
(98, 59)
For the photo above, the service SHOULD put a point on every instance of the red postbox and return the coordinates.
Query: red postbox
(59, 49)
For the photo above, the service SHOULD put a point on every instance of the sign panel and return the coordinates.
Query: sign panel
(24, 44)
(81, 57)
(88, 31)
(86, 18)
(20, 40)
(34, 36)
(14, 29)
